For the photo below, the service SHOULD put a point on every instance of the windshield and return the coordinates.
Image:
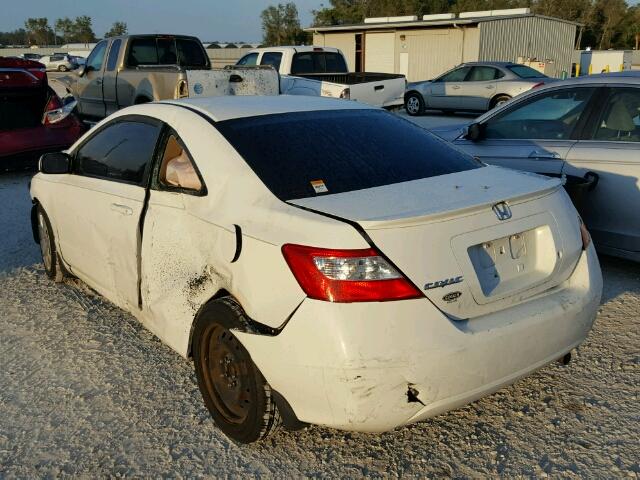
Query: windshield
(304, 154)
(526, 72)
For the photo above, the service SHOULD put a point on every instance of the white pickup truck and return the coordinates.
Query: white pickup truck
(322, 71)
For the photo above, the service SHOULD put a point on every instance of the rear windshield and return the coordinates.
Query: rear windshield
(305, 154)
(149, 51)
(525, 72)
(318, 62)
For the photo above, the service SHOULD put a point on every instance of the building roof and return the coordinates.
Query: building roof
(429, 23)
(230, 107)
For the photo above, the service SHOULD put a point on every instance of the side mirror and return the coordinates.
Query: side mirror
(474, 132)
(55, 163)
(81, 70)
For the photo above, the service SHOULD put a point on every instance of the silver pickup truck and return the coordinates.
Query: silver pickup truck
(322, 71)
(128, 70)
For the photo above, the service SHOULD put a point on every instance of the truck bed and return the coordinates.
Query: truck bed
(352, 78)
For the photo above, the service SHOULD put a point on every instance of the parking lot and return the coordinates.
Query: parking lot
(85, 389)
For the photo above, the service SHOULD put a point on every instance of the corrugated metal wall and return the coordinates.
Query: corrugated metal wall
(545, 39)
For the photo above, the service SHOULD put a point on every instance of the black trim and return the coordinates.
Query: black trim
(238, 243)
(203, 115)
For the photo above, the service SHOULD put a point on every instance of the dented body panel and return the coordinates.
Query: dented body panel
(164, 254)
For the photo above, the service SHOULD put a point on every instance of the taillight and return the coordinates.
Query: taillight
(584, 233)
(55, 111)
(344, 276)
(346, 94)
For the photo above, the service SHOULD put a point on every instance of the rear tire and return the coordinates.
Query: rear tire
(414, 104)
(238, 397)
(52, 265)
(62, 68)
(499, 100)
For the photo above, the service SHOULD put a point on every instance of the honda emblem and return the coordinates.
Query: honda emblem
(502, 211)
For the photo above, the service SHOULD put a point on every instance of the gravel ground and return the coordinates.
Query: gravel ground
(85, 390)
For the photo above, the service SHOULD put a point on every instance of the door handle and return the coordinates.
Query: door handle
(121, 209)
(378, 87)
(235, 78)
(489, 87)
(455, 87)
(544, 154)
(99, 81)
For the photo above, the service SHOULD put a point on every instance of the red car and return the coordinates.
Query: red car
(33, 119)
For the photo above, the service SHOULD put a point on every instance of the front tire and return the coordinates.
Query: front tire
(414, 104)
(50, 259)
(62, 68)
(238, 397)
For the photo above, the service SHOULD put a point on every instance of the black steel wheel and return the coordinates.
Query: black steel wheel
(235, 392)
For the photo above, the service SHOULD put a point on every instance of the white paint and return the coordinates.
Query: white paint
(344, 365)
(439, 16)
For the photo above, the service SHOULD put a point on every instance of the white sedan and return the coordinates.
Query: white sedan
(320, 260)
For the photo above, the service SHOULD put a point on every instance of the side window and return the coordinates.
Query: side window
(249, 60)
(142, 51)
(620, 119)
(112, 60)
(457, 75)
(549, 116)
(96, 57)
(271, 58)
(119, 152)
(177, 169)
(482, 74)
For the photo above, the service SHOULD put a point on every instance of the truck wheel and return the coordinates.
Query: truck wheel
(414, 104)
(499, 100)
(235, 392)
(50, 257)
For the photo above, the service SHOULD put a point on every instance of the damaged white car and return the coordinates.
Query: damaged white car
(321, 261)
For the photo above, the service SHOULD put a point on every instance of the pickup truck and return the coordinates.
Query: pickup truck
(322, 71)
(127, 70)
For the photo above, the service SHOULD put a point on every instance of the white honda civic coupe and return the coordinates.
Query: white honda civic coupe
(320, 260)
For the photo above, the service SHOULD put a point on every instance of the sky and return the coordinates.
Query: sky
(210, 20)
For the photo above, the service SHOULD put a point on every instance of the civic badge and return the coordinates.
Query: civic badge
(502, 211)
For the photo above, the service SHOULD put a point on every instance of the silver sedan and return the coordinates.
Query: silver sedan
(585, 130)
(477, 86)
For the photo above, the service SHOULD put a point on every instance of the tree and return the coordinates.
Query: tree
(38, 30)
(64, 26)
(281, 25)
(117, 29)
(82, 30)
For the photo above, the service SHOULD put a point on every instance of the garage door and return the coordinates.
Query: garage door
(380, 52)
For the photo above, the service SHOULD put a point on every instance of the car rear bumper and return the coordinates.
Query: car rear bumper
(351, 366)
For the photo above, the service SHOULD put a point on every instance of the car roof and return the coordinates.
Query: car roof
(229, 107)
(489, 64)
(297, 49)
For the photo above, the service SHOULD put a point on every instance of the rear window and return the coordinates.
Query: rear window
(525, 72)
(318, 62)
(166, 51)
(345, 150)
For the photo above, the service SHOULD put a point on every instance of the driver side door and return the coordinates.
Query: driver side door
(534, 135)
(446, 91)
(89, 85)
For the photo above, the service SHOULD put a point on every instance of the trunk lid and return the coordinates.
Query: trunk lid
(446, 236)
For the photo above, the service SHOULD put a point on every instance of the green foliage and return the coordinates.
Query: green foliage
(117, 29)
(38, 31)
(607, 23)
(281, 25)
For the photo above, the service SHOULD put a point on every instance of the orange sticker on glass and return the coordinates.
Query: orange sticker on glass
(319, 186)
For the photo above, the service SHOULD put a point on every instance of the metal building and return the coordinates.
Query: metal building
(423, 49)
